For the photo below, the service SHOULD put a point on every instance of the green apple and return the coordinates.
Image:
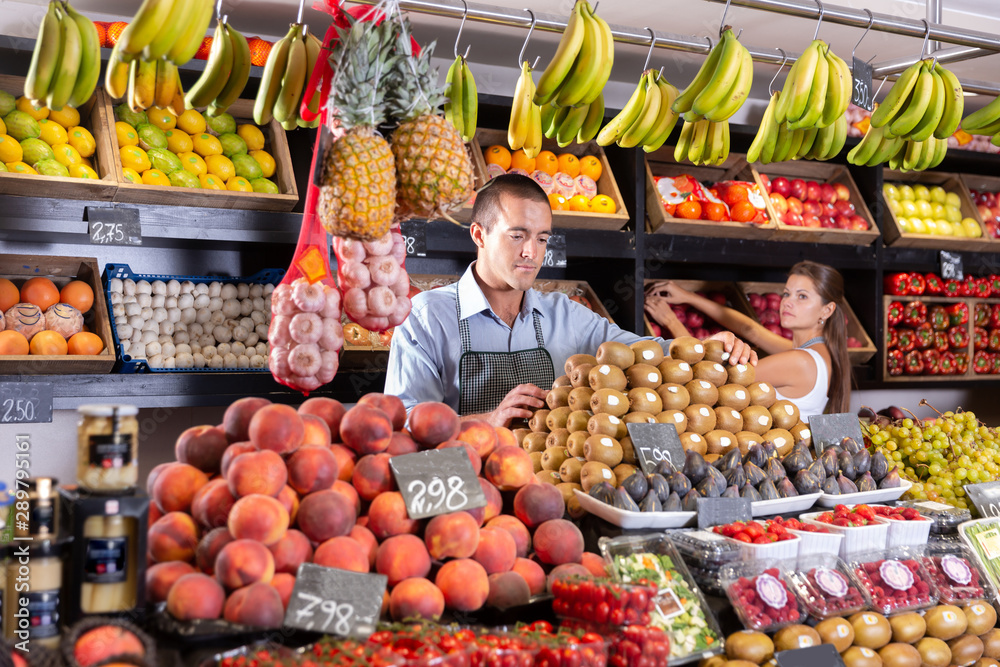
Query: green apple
(944, 227)
(895, 207)
(952, 213)
(921, 193)
(908, 207)
(917, 226)
(938, 194)
(952, 199)
(972, 228)
(924, 209)
(905, 192)
(890, 192)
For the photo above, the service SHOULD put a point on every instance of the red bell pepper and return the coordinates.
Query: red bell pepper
(907, 340)
(938, 318)
(969, 286)
(941, 341)
(981, 362)
(932, 362)
(981, 315)
(917, 284)
(934, 284)
(994, 322)
(958, 337)
(897, 284)
(983, 288)
(894, 362)
(993, 341)
(994, 285)
(925, 336)
(914, 314)
(961, 363)
(980, 338)
(892, 338)
(895, 313)
(913, 363)
(952, 288)
(947, 365)
(995, 364)
(958, 313)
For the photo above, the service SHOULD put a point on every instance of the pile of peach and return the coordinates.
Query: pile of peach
(272, 487)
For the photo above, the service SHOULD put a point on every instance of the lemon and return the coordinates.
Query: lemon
(179, 141)
(25, 105)
(134, 157)
(52, 132)
(19, 167)
(83, 171)
(211, 182)
(252, 135)
(155, 177)
(193, 163)
(67, 117)
(3, 127)
(82, 140)
(131, 175)
(191, 122)
(221, 166)
(265, 161)
(126, 134)
(206, 144)
(10, 149)
(239, 184)
(66, 155)
(162, 118)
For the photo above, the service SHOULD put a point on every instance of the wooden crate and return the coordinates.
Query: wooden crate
(735, 299)
(606, 184)
(857, 355)
(932, 300)
(61, 270)
(981, 183)
(661, 163)
(275, 143)
(893, 233)
(93, 117)
(821, 172)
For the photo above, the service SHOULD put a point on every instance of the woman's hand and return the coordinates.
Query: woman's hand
(670, 291)
(739, 351)
(658, 309)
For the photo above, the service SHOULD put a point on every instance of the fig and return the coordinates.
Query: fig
(806, 482)
(673, 503)
(862, 463)
(690, 503)
(866, 483)
(851, 446)
(770, 449)
(795, 461)
(786, 489)
(817, 470)
(736, 476)
(718, 479)
(603, 492)
(774, 470)
(846, 485)
(879, 467)
(767, 490)
(651, 503)
(749, 492)
(665, 468)
(636, 486)
(845, 461)
(623, 501)
(829, 460)
(707, 488)
(830, 486)
(680, 484)
(731, 460)
(891, 480)
(658, 485)
(756, 455)
(695, 467)
(753, 473)
(731, 492)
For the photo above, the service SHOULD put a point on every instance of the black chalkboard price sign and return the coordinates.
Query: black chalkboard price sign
(829, 430)
(824, 655)
(334, 601)
(25, 402)
(951, 266)
(438, 481)
(414, 237)
(862, 95)
(114, 226)
(656, 443)
(555, 252)
(986, 498)
(720, 511)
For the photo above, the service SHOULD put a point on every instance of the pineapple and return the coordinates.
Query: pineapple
(433, 169)
(358, 185)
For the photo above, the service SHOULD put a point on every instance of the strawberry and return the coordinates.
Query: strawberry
(761, 539)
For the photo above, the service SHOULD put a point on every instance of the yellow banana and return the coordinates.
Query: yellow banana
(218, 67)
(592, 123)
(176, 105)
(270, 80)
(611, 132)
(870, 143)
(607, 56)
(166, 82)
(142, 86)
(470, 102)
(839, 139)
(934, 112)
(799, 84)
(940, 150)
(571, 125)
(898, 95)
(914, 149)
(717, 142)
(737, 94)
(239, 74)
(920, 100)
(46, 56)
(954, 103)
(116, 76)
(145, 26)
(977, 120)
(586, 68)
(533, 137)
(90, 59)
(182, 14)
(797, 137)
(552, 118)
(453, 105)
(520, 110)
(817, 94)
(287, 105)
(726, 72)
(809, 138)
(822, 142)
(782, 143)
(559, 67)
(69, 63)
(685, 100)
(666, 121)
(838, 92)
(189, 41)
(683, 142)
(698, 141)
(314, 49)
(763, 132)
(639, 128)
(887, 148)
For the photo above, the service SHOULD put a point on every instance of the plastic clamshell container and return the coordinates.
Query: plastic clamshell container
(895, 579)
(956, 574)
(761, 585)
(945, 519)
(798, 503)
(574, 595)
(817, 543)
(861, 539)
(906, 533)
(825, 586)
(680, 607)
(876, 496)
(634, 520)
(773, 551)
(705, 553)
(982, 536)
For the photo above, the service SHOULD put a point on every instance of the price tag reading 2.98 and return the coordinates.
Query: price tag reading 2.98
(437, 481)
(340, 615)
(438, 494)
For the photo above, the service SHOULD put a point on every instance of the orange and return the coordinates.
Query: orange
(603, 204)
(579, 203)
(569, 164)
(115, 31)
(102, 33)
(497, 155)
(260, 49)
(558, 202)
(40, 291)
(689, 209)
(206, 46)
(85, 343)
(518, 160)
(546, 161)
(48, 342)
(743, 211)
(77, 294)
(9, 295)
(13, 342)
(736, 193)
(591, 166)
(715, 211)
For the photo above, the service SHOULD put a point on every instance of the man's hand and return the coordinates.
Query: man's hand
(520, 403)
(739, 352)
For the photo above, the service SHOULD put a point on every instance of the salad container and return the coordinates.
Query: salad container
(945, 519)
(761, 595)
(895, 579)
(705, 553)
(956, 574)
(825, 586)
(856, 540)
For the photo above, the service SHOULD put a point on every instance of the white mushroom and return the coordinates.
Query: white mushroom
(204, 315)
(164, 339)
(150, 325)
(201, 288)
(118, 310)
(202, 301)
(195, 348)
(125, 346)
(256, 291)
(168, 362)
(155, 361)
(268, 288)
(187, 287)
(216, 318)
(261, 331)
(258, 361)
(132, 309)
(257, 317)
(215, 303)
(159, 314)
(195, 330)
(173, 315)
(120, 320)
(168, 349)
(209, 351)
(214, 288)
(199, 360)
(181, 337)
(117, 298)
(128, 286)
(159, 287)
(189, 316)
(242, 291)
(173, 287)
(170, 302)
(124, 331)
(182, 348)
(167, 327)
(185, 301)
(246, 307)
(115, 285)
(223, 334)
(137, 336)
(242, 361)
(238, 348)
(240, 332)
(262, 349)
(158, 301)
(184, 360)
(228, 291)
(258, 303)
(143, 287)
(222, 349)
(153, 348)
(231, 308)
(144, 300)
(252, 339)
(146, 313)
(229, 361)
(136, 322)
(215, 362)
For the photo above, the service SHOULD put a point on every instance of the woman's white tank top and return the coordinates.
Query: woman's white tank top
(815, 401)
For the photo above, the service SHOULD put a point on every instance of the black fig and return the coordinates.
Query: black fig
(851, 445)
(774, 470)
(731, 492)
(623, 501)
(659, 485)
(651, 503)
(736, 476)
(690, 503)
(708, 489)
(879, 467)
(817, 470)
(846, 485)
(718, 479)
(786, 489)
(767, 490)
(831, 487)
(636, 486)
(846, 463)
(829, 460)
(866, 483)
(769, 448)
(695, 468)
(756, 455)
(754, 474)
(795, 461)
(680, 484)
(749, 492)
(673, 503)
(731, 460)
(603, 492)
(891, 480)
(862, 463)
(664, 468)
(806, 483)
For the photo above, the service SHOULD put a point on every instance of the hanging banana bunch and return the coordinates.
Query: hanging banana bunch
(462, 107)
(817, 91)
(776, 142)
(926, 101)
(577, 73)
(226, 72)
(286, 73)
(525, 127)
(569, 124)
(721, 85)
(879, 146)
(647, 118)
(66, 62)
(703, 142)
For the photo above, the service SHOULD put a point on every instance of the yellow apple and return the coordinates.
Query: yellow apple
(917, 226)
(972, 228)
(944, 227)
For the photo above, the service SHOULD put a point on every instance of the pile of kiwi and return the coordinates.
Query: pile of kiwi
(944, 635)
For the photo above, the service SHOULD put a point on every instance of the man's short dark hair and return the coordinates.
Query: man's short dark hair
(489, 201)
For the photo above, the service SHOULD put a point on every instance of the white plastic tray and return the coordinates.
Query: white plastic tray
(818, 543)
(783, 505)
(858, 539)
(774, 551)
(876, 496)
(627, 519)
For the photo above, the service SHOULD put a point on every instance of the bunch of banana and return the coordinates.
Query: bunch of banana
(582, 64)
(226, 72)
(985, 122)
(777, 142)
(925, 101)
(879, 146)
(171, 29)
(647, 118)
(920, 155)
(286, 73)
(817, 91)
(462, 107)
(569, 124)
(525, 127)
(66, 62)
(721, 85)
(703, 142)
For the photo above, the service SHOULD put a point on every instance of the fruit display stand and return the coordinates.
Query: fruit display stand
(61, 270)
(662, 163)
(824, 173)
(893, 233)
(93, 116)
(276, 143)
(982, 183)
(606, 184)
(970, 374)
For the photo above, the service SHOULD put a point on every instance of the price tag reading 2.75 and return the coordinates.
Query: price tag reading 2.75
(334, 601)
(438, 481)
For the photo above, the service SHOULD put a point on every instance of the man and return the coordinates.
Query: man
(490, 346)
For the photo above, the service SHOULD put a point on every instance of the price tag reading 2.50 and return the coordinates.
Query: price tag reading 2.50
(438, 481)
(25, 402)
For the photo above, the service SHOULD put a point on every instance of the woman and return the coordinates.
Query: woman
(811, 370)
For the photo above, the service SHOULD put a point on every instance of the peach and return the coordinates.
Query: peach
(161, 576)
(291, 552)
(480, 435)
(258, 517)
(415, 599)
(153, 474)
(283, 583)
(317, 431)
(563, 571)
(210, 546)
(261, 472)
(517, 530)
(154, 514)
(387, 516)
(474, 460)
(454, 535)
(236, 420)
(558, 541)
(401, 443)
(243, 562)
(532, 573)
(312, 468)
(258, 605)
(367, 540)
(433, 423)
(329, 410)
(372, 476)
(464, 583)
(290, 501)
(506, 437)
(507, 589)
(390, 405)
(202, 447)
(176, 485)
(496, 551)
(594, 564)
(232, 452)
(278, 428)
(97, 645)
(345, 461)
(401, 557)
(325, 514)
(210, 506)
(509, 468)
(493, 506)
(349, 493)
(343, 553)
(174, 536)
(194, 596)
(537, 503)
(366, 430)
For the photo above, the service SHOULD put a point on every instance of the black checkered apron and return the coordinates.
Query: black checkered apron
(485, 378)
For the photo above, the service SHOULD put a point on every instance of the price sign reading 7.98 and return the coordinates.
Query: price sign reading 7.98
(335, 601)
(438, 481)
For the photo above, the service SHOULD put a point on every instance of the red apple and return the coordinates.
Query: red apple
(828, 222)
(782, 186)
(779, 203)
(766, 182)
(773, 301)
(810, 207)
(811, 221)
(773, 328)
(794, 204)
(799, 189)
(859, 224)
(843, 193)
(991, 199)
(828, 193)
(813, 190)
(844, 207)
(843, 222)
(792, 219)
(985, 212)
(993, 228)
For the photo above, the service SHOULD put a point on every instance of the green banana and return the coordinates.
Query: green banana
(314, 48)
(637, 131)
(781, 144)
(940, 150)
(685, 100)
(470, 102)
(683, 142)
(914, 151)
(64, 80)
(240, 73)
(977, 120)
(607, 56)
(726, 72)
(571, 125)
(929, 122)
(698, 142)
(954, 103)
(898, 95)
(799, 84)
(217, 70)
(886, 149)
(823, 143)
(666, 120)
(270, 80)
(287, 105)
(145, 26)
(453, 104)
(46, 56)
(592, 123)
(817, 94)
(838, 92)
(555, 119)
(766, 124)
(917, 105)
(558, 69)
(839, 139)
(738, 93)
(182, 14)
(620, 123)
(90, 59)
(809, 136)
(586, 68)
(717, 142)
(190, 39)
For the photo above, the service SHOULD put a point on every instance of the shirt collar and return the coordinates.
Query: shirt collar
(472, 300)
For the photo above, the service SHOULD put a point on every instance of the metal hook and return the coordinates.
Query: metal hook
(465, 15)
(822, 10)
(218, 12)
(880, 87)
(923, 49)
(531, 29)
(722, 24)
(871, 21)
(652, 45)
(784, 59)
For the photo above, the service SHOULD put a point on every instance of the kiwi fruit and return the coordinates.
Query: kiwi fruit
(746, 439)
(784, 414)
(838, 632)
(557, 418)
(643, 375)
(579, 398)
(801, 433)
(519, 434)
(567, 488)
(557, 438)
(692, 442)
(605, 424)
(899, 654)
(593, 472)
(755, 647)
(871, 630)
(756, 419)
(781, 438)
(603, 449)
(535, 442)
(578, 360)
(548, 477)
(965, 650)
(569, 471)
(687, 348)
(558, 397)
(945, 622)
(580, 376)
(740, 663)
(986, 662)
(720, 441)
(639, 418)
(573, 506)
(796, 636)
(676, 371)
(728, 419)
(575, 443)
(577, 420)
(934, 652)
(908, 628)
(610, 401)
(539, 421)
(762, 394)
(860, 656)
(562, 381)
(734, 396)
(647, 352)
(623, 471)
(644, 399)
(700, 418)
(675, 417)
(604, 376)
(702, 391)
(715, 350)
(536, 461)
(991, 643)
(743, 374)
(712, 371)
(980, 615)
(714, 661)
(553, 457)
(674, 396)
(615, 354)
(628, 451)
